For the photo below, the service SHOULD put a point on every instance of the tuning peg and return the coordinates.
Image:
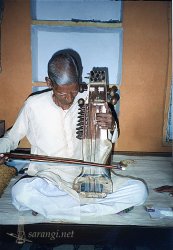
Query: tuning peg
(117, 96)
(81, 102)
(81, 112)
(79, 137)
(83, 87)
(113, 90)
(80, 117)
(81, 123)
(115, 99)
(80, 128)
(79, 132)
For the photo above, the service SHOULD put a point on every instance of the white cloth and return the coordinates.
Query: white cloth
(55, 204)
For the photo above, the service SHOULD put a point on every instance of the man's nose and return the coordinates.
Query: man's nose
(69, 97)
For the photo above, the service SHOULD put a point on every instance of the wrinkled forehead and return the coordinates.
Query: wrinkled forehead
(66, 88)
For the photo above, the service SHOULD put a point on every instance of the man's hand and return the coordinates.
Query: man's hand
(2, 159)
(164, 189)
(105, 120)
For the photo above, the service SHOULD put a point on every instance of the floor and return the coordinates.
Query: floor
(136, 225)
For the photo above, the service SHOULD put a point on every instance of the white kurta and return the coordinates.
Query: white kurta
(51, 131)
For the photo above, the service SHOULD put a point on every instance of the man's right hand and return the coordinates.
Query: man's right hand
(2, 159)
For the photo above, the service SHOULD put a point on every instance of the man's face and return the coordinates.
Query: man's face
(64, 95)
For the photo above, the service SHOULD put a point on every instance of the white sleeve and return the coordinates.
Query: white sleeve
(113, 137)
(12, 137)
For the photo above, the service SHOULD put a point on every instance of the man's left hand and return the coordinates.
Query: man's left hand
(105, 120)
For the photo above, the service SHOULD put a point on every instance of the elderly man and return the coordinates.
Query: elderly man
(49, 121)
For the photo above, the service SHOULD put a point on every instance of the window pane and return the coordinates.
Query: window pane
(83, 10)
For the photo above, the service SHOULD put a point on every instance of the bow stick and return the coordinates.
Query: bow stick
(42, 158)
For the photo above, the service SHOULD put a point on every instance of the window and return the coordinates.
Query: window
(92, 28)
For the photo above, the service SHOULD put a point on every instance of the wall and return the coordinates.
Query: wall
(15, 78)
(144, 70)
(144, 77)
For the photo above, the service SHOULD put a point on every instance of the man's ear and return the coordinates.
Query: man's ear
(48, 81)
